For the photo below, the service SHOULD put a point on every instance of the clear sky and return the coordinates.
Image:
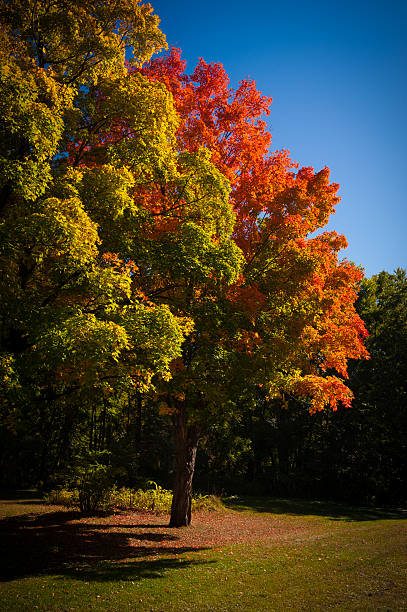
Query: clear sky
(337, 72)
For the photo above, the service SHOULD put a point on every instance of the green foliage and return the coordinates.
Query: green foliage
(206, 503)
(75, 328)
(91, 479)
(62, 497)
(87, 41)
(95, 492)
(32, 109)
(155, 499)
(380, 387)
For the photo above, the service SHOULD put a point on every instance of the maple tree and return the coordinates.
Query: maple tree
(286, 320)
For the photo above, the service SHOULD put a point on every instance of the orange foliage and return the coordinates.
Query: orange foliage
(277, 207)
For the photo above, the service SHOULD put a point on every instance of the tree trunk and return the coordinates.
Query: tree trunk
(186, 443)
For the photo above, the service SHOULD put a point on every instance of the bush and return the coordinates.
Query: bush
(156, 499)
(209, 503)
(94, 481)
(89, 484)
(62, 497)
(94, 489)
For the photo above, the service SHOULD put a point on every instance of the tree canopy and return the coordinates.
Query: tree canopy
(71, 320)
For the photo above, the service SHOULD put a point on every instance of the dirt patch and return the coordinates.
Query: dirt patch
(208, 529)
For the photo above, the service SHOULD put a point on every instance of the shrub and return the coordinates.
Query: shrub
(62, 497)
(89, 484)
(209, 503)
(158, 500)
(92, 478)
(94, 489)
(94, 494)
(155, 499)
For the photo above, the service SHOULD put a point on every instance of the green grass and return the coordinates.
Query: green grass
(260, 554)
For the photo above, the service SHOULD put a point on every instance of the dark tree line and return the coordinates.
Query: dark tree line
(272, 447)
(354, 454)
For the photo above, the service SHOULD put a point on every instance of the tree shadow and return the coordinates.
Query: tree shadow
(133, 570)
(300, 507)
(56, 543)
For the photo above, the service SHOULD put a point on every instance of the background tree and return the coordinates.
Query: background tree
(356, 454)
(377, 450)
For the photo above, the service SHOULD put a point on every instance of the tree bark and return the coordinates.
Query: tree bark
(186, 443)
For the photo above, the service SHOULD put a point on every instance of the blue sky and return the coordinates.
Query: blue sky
(337, 74)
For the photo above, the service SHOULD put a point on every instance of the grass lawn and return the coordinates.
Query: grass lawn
(258, 554)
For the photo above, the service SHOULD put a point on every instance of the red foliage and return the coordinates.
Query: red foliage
(277, 207)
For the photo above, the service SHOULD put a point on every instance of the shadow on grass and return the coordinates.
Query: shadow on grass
(132, 570)
(299, 507)
(52, 543)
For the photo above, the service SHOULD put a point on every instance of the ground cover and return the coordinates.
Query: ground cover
(257, 554)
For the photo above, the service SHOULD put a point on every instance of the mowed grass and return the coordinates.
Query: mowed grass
(258, 554)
